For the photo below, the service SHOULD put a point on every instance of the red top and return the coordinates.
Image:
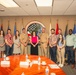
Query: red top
(34, 39)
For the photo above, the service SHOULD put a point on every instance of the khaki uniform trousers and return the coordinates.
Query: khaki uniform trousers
(23, 49)
(61, 57)
(44, 49)
(57, 56)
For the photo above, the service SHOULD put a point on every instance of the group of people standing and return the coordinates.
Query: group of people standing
(10, 44)
(59, 46)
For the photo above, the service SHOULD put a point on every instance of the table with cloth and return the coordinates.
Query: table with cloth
(35, 69)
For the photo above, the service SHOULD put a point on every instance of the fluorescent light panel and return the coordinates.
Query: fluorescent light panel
(8, 3)
(43, 3)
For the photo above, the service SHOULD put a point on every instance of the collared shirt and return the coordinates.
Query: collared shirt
(23, 37)
(44, 37)
(9, 38)
(52, 39)
(75, 42)
(70, 40)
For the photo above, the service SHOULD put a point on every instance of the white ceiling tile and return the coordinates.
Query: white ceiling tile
(28, 7)
(72, 9)
(18, 11)
(60, 6)
(24, 2)
(45, 10)
(5, 12)
(31, 11)
(2, 7)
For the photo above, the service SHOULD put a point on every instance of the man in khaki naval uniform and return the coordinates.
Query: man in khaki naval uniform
(24, 41)
(44, 42)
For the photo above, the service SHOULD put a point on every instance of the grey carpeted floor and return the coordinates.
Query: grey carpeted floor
(68, 70)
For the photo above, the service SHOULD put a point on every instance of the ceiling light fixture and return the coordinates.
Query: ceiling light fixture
(8, 3)
(2, 10)
(43, 3)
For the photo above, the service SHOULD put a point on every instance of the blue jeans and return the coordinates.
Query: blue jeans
(53, 52)
(65, 52)
(9, 50)
(71, 54)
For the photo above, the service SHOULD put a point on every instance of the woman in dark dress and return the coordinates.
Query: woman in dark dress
(34, 44)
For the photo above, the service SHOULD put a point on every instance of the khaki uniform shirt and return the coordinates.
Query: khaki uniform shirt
(24, 37)
(44, 38)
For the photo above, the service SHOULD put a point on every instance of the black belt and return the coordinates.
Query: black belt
(42, 42)
(69, 46)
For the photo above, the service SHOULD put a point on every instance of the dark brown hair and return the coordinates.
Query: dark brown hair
(16, 35)
(3, 33)
(32, 33)
(52, 29)
(23, 29)
(62, 41)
